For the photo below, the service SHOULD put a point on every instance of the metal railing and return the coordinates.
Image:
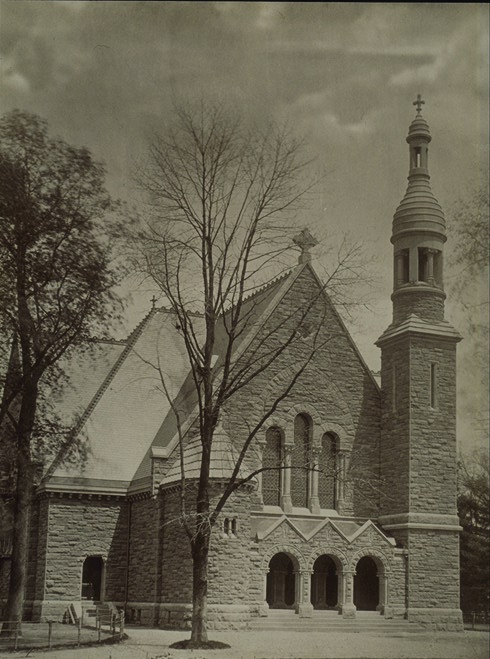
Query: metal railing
(475, 620)
(25, 635)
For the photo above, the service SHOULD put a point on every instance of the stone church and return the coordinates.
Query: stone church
(370, 525)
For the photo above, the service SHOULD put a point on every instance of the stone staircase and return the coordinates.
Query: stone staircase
(103, 610)
(331, 621)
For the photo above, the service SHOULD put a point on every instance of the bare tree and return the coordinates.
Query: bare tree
(220, 195)
(56, 279)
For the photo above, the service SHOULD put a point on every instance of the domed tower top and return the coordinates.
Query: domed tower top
(419, 233)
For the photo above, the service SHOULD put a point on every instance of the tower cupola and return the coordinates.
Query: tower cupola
(419, 233)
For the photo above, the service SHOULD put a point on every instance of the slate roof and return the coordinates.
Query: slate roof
(224, 456)
(128, 418)
(126, 411)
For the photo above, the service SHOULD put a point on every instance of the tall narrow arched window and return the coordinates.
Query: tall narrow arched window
(327, 478)
(271, 461)
(300, 461)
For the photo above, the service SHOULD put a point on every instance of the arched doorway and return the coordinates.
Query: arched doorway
(366, 585)
(281, 582)
(92, 571)
(324, 583)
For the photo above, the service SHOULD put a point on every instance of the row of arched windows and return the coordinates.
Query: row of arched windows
(304, 460)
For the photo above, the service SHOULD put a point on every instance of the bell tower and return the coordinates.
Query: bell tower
(418, 382)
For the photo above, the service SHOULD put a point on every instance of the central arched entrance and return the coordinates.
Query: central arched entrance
(281, 586)
(366, 585)
(324, 583)
(93, 567)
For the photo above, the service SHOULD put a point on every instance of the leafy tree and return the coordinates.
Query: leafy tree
(469, 225)
(474, 514)
(216, 230)
(56, 278)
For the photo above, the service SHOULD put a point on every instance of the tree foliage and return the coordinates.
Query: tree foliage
(474, 515)
(56, 281)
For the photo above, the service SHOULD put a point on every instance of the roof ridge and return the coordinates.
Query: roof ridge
(264, 287)
(129, 344)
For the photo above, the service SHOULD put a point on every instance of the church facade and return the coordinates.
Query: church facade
(356, 506)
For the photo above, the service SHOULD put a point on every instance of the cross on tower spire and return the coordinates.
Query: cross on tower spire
(419, 102)
(153, 301)
(305, 241)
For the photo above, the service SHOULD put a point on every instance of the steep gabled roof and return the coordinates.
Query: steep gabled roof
(127, 417)
(126, 412)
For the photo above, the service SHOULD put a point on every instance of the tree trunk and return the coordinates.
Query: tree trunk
(200, 554)
(20, 539)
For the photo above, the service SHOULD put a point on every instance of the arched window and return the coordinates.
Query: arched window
(271, 461)
(327, 478)
(300, 461)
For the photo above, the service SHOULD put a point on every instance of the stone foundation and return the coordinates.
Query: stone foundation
(53, 610)
(448, 620)
(225, 616)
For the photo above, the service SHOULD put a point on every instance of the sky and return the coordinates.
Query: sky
(344, 75)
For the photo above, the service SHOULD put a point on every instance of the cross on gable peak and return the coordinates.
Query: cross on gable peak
(305, 241)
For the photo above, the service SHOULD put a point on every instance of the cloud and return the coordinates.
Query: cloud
(11, 79)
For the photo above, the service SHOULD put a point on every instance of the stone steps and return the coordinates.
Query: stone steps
(331, 621)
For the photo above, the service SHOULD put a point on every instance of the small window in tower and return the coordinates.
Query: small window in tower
(433, 386)
(234, 526)
(418, 156)
(226, 526)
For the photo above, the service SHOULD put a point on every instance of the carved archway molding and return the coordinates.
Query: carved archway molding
(383, 562)
(299, 561)
(338, 557)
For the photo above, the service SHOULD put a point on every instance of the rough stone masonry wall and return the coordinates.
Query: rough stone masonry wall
(433, 579)
(79, 528)
(176, 554)
(433, 431)
(395, 427)
(144, 578)
(336, 385)
(229, 566)
(425, 304)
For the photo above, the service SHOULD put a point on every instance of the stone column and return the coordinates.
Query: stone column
(413, 264)
(383, 593)
(314, 503)
(340, 481)
(264, 607)
(304, 607)
(286, 503)
(430, 266)
(340, 591)
(258, 492)
(399, 269)
(348, 606)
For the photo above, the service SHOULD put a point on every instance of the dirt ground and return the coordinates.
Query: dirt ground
(154, 644)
